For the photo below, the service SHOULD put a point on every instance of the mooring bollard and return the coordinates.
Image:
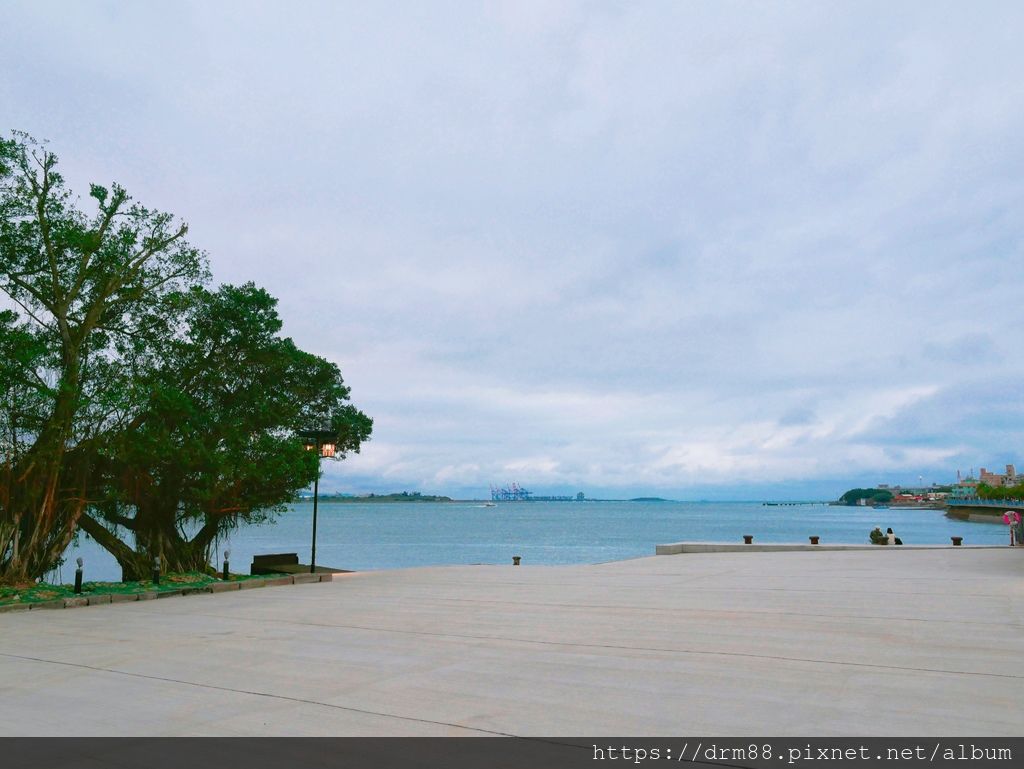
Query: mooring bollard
(814, 540)
(227, 554)
(748, 539)
(957, 541)
(515, 560)
(78, 576)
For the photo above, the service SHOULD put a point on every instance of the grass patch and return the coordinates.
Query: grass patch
(42, 591)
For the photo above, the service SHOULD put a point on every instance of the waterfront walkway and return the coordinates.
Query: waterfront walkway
(882, 642)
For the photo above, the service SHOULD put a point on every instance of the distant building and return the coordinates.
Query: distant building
(1009, 478)
(964, 488)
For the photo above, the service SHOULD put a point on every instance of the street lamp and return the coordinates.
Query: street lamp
(323, 443)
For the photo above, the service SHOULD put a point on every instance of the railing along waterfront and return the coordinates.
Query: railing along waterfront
(979, 502)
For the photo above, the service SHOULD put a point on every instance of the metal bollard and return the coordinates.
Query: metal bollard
(516, 559)
(156, 571)
(814, 539)
(748, 539)
(78, 576)
(225, 575)
(957, 541)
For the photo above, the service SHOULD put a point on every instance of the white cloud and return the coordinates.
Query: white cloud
(657, 245)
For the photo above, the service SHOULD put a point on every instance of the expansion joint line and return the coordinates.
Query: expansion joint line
(656, 649)
(755, 612)
(270, 695)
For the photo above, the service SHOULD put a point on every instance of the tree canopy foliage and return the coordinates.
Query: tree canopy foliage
(135, 401)
(1000, 492)
(873, 496)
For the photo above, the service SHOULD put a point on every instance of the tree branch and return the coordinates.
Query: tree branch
(105, 539)
(28, 312)
(44, 227)
(109, 212)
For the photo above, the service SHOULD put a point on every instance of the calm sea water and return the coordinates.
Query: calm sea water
(365, 536)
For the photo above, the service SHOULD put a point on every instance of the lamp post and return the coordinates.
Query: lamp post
(323, 442)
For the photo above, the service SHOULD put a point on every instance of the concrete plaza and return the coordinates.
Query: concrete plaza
(880, 642)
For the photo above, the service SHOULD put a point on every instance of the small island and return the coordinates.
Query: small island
(869, 496)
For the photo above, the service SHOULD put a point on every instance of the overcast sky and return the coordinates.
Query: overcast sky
(699, 250)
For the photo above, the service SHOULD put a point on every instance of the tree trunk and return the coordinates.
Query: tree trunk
(152, 543)
(46, 511)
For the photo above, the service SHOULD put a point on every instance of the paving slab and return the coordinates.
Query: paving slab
(810, 643)
(55, 604)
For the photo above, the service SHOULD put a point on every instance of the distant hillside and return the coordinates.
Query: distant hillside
(871, 496)
(649, 499)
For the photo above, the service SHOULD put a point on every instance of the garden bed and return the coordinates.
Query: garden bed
(43, 595)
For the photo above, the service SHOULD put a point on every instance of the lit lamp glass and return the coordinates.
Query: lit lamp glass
(327, 450)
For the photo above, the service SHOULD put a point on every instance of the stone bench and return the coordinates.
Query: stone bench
(273, 563)
(286, 563)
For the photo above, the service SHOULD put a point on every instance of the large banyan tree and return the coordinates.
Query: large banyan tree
(136, 402)
(210, 442)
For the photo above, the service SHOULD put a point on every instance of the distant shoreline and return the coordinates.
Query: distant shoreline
(387, 498)
(375, 500)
